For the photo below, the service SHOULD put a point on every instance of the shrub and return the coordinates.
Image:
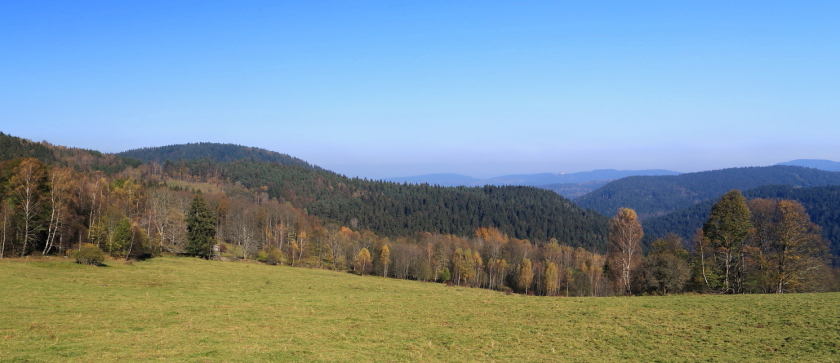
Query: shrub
(444, 275)
(274, 257)
(88, 254)
(262, 256)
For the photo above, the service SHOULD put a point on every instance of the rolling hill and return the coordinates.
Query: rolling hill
(392, 209)
(388, 208)
(213, 151)
(652, 196)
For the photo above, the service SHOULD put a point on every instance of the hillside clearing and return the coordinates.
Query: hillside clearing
(190, 309)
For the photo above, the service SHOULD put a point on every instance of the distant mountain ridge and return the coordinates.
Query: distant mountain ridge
(826, 165)
(652, 196)
(534, 180)
(213, 151)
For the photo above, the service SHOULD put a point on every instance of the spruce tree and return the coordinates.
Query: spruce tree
(201, 229)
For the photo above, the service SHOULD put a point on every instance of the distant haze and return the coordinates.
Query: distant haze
(826, 165)
(541, 179)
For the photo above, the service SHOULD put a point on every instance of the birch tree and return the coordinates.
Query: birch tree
(26, 184)
(624, 248)
(61, 191)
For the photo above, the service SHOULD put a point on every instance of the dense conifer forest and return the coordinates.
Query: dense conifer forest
(652, 196)
(212, 151)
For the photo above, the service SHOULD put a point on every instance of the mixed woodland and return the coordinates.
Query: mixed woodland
(235, 203)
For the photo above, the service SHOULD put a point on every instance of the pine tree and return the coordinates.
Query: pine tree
(201, 229)
(121, 241)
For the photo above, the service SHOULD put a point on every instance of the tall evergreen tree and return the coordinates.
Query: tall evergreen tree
(201, 229)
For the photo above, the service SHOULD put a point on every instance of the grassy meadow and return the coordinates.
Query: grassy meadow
(185, 309)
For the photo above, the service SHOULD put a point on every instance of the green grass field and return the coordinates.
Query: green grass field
(184, 309)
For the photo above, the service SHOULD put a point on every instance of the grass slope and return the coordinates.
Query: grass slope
(191, 310)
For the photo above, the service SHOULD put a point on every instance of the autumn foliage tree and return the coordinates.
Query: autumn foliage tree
(797, 250)
(549, 279)
(384, 259)
(361, 263)
(525, 276)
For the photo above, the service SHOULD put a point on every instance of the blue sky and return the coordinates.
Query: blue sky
(394, 88)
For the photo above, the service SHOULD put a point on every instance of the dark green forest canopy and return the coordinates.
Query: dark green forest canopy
(14, 147)
(652, 196)
(821, 203)
(213, 151)
(393, 209)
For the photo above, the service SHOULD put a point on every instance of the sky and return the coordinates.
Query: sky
(381, 89)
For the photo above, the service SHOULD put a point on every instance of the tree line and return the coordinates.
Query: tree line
(68, 204)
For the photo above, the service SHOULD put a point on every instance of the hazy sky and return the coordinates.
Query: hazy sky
(395, 88)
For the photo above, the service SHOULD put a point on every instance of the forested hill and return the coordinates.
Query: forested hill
(393, 209)
(14, 147)
(213, 151)
(652, 196)
(821, 203)
(388, 209)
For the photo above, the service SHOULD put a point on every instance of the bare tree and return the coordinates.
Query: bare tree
(61, 187)
(5, 211)
(26, 183)
(242, 228)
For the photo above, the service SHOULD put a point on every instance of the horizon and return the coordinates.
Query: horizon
(384, 90)
(479, 178)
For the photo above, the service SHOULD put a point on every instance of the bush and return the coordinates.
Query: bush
(88, 254)
(274, 257)
(444, 275)
(261, 256)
